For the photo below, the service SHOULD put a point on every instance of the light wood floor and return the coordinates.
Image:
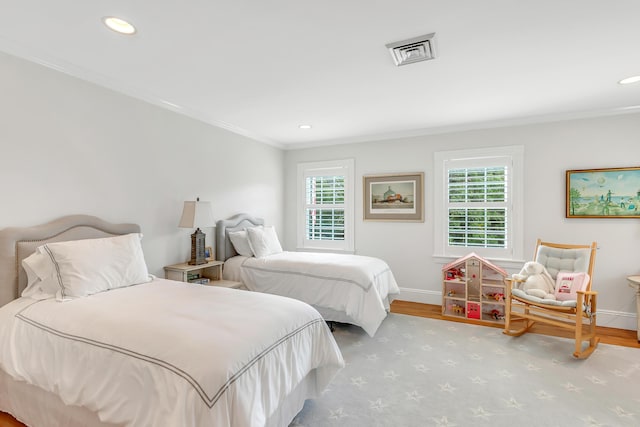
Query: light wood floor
(613, 336)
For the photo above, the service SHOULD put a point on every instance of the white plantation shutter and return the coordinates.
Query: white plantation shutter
(478, 207)
(481, 202)
(326, 205)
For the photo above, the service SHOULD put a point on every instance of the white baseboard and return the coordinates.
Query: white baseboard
(421, 296)
(608, 318)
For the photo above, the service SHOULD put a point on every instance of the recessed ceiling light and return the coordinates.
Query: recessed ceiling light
(119, 25)
(305, 126)
(629, 80)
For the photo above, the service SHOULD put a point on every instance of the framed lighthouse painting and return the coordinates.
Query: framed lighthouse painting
(603, 193)
(394, 197)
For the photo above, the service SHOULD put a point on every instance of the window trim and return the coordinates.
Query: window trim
(345, 167)
(515, 156)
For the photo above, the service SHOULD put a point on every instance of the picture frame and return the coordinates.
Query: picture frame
(394, 197)
(208, 253)
(603, 193)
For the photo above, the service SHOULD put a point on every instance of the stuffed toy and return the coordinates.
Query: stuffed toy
(537, 281)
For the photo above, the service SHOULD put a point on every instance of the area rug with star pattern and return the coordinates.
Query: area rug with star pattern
(428, 372)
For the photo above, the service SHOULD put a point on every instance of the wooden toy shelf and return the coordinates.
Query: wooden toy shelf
(473, 288)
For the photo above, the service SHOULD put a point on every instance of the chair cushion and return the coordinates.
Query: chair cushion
(566, 260)
(522, 294)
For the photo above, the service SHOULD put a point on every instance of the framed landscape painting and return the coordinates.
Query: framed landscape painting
(603, 193)
(397, 197)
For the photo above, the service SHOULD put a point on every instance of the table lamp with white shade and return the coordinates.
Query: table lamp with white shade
(197, 214)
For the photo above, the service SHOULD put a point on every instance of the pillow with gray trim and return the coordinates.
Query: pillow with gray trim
(86, 267)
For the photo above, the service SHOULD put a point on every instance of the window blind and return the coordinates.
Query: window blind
(477, 206)
(325, 208)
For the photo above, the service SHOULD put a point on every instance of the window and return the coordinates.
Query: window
(480, 201)
(325, 203)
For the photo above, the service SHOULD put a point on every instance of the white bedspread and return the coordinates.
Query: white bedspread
(359, 286)
(169, 353)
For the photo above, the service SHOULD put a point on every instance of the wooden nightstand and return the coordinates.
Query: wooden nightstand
(212, 270)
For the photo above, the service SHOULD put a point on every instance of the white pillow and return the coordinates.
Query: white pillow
(263, 241)
(86, 267)
(240, 242)
(40, 281)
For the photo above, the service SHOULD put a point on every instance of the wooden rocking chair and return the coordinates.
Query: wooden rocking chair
(522, 311)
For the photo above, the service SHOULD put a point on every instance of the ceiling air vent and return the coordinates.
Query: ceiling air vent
(417, 49)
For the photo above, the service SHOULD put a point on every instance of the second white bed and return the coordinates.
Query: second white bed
(343, 288)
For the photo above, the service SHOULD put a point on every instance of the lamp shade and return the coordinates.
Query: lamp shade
(197, 214)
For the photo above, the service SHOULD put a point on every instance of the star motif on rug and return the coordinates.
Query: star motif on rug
(590, 421)
(447, 387)
(372, 357)
(475, 356)
(449, 362)
(408, 336)
(414, 395)
(478, 380)
(358, 382)
(474, 339)
(622, 413)
(505, 374)
(422, 368)
(426, 347)
(378, 405)
(451, 343)
(596, 380)
(452, 328)
(544, 343)
(543, 395)
(383, 339)
(479, 412)
(401, 352)
(338, 414)
(512, 403)
(532, 367)
(390, 375)
(443, 422)
(619, 373)
(358, 344)
(500, 351)
(571, 387)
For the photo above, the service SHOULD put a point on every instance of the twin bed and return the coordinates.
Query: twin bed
(343, 288)
(156, 352)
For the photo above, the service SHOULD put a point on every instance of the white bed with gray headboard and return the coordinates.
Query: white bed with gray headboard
(128, 355)
(343, 288)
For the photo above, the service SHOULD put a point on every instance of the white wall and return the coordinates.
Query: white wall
(550, 149)
(68, 146)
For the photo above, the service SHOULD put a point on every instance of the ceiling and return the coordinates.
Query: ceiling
(261, 68)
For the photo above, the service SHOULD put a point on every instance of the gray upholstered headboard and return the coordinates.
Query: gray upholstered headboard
(17, 243)
(224, 248)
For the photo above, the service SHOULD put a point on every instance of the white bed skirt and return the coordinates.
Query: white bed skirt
(38, 408)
